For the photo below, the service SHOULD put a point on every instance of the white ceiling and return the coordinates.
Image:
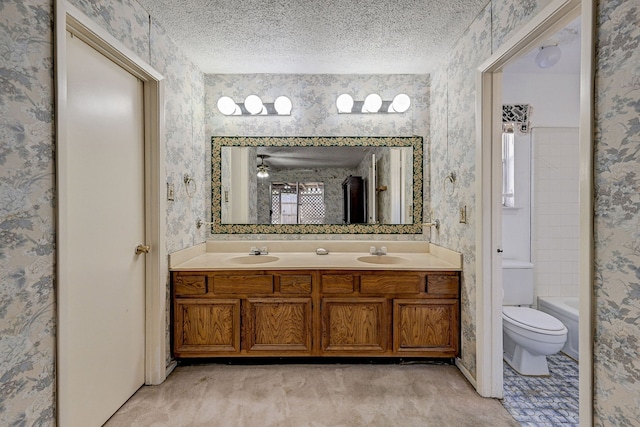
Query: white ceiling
(567, 39)
(314, 157)
(315, 36)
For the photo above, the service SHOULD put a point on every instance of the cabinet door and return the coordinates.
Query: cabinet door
(355, 325)
(426, 326)
(206, 326)
(278, 324)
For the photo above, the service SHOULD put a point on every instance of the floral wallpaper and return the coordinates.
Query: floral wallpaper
(27, 182)
(27, 228)
(617, 214)
(453, 149)
(443, 115)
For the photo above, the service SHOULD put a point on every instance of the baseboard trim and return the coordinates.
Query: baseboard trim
(465, 372)
(170, 368)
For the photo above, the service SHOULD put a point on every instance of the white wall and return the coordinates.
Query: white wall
(544, 226)
(555, 219)
(555, 98)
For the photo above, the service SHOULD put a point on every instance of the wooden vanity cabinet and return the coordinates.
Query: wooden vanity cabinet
(390, 313)
(316, 313)
(230, 313)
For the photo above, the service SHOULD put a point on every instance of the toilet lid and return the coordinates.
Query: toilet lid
(531, 318)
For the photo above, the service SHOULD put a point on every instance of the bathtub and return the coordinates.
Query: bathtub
(564, 309)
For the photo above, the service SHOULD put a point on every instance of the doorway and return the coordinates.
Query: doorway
(489, 243)
(76, 196)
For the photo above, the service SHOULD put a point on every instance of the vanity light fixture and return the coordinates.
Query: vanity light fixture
(263, 170)
(373, 103)
(253, 106)
(548, 56)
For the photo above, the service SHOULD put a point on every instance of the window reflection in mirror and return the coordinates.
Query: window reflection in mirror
(244, 203)
(296, 203)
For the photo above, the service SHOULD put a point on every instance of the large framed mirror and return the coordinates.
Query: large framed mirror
(316, 185)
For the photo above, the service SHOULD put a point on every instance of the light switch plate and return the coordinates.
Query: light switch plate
(170, 192)
(463, 214)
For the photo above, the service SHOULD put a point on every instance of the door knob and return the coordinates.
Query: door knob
(142, 249)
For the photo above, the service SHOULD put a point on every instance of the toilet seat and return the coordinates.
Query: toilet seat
(534, 320)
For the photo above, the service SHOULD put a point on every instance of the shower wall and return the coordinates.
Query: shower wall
(555, 213)
(547, 161)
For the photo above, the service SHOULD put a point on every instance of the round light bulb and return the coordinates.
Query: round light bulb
(372, 103)
(400, 104)
(344, 103)
(548, 56)
(253, 104)
(227, 106)
(282, 104)
(262, 173)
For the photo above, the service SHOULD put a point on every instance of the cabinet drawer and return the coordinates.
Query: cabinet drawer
(253, 284)
(337, 283)
(442, 284)
(373, 284)
(295, 284)
(190, 285)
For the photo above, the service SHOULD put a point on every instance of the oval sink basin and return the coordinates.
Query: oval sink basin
(253, 259)
(382, 259)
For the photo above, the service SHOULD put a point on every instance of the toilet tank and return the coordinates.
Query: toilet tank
(517, 282)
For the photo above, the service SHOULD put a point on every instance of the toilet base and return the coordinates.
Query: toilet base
(526, 363)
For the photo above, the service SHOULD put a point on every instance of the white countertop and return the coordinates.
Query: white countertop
(343, 255)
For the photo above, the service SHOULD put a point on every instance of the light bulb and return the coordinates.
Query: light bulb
(253, 104)
(227, 106)
(282, 104)
(548, 56)
(372, 103)
(344, 103)
(400, 103)
(262, 170)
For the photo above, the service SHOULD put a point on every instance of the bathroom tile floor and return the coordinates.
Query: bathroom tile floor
(544, 401)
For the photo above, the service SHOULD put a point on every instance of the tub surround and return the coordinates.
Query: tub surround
(215, 255)
(564, 309)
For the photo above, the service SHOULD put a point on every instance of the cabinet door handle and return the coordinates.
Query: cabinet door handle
(142, 249)
(500, 251)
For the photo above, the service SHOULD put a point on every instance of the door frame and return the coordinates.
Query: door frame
(488, 265)
(69, 18)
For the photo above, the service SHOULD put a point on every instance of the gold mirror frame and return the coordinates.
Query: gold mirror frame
(217, 142)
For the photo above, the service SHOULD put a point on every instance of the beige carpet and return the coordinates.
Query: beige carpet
(312, 395)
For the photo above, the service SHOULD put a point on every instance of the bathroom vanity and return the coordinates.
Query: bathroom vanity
(297, 303)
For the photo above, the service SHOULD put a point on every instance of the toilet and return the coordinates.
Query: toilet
(529, 335)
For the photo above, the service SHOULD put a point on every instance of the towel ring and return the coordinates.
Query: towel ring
(187, 185)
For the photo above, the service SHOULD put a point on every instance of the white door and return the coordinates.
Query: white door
(101, 360)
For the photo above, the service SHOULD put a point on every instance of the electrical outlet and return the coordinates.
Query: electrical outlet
(463, 214)
(170, 192)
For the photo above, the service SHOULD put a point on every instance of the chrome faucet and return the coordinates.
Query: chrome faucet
(261, 251)
(375, 251)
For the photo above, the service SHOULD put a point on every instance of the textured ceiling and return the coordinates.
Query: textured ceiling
(315, 36)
